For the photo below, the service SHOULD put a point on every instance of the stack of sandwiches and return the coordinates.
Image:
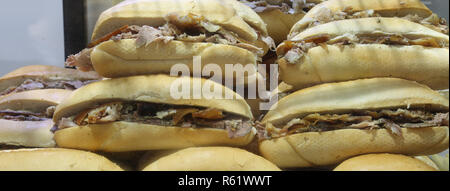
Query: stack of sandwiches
(136, 45)
(29, 96)
(359, 77)
(360, 81)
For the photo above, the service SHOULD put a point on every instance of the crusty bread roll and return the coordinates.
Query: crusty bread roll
(124, 136)
(383, 162)
(327, 148)
(372, 27)
(385, 8)
(46, 73)
(123, 58)
(55, 159)
(29, 133)
(209, 159)
(331, 62)
(228, 14)
(151, 88)
(34, 100)
(121, 136)
(330, 147)
(376, 93)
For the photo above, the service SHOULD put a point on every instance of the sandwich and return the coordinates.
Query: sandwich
(383, 162)
(281, 15)
(326, 124)
(44, 77)
(206, 159)
(140, 37)
(26, 118)
(334, 10)
(365, 48)
(54, 159)
(143, 113)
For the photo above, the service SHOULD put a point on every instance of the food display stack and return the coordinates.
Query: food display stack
(359, 82)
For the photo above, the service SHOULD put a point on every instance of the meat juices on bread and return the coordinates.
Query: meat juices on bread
(44, 77)
(334, 10)
(365, 48)
(326, 124)
(26, 117)
(150, 36)
(139, 113)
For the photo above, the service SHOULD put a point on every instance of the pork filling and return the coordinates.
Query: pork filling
(161, 115)
(325, 15)
(294, 51)
(27, 115)
(190, 28)
(286, 6)
(393, 120)
(35, 84)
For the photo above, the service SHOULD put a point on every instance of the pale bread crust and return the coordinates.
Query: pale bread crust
(123, 58)
(34, 100)
(52, 73)
(26, 133)
(211, 159)
(383, 162)
(365, 94)
(386, 8)
(126, 136)
(371, 27)
(332, 147)
(227, 14)
(371, 60)
(30, 133)
(327, 148)
(279, 23)
(333, 63)
(428, 161)
(153, 89)
(55, 159)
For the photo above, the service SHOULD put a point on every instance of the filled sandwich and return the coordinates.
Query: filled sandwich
(326, 124)
(365, 48)
(334, 10)
(26, 118)
(44, 77)
(140, 37)
(141, 113)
